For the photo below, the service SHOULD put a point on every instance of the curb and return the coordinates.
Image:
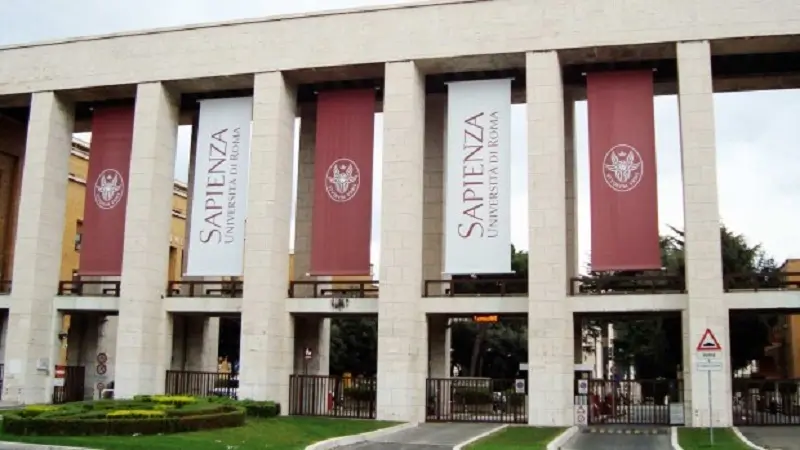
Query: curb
(562, 438)
(479, 437)
(358, 438)
(6, 445)
(746, 441)
(673, 439)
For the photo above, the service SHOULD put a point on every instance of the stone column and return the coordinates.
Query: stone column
(439, 365)
(37, 255)
(402, 346)
(550, 322)
(433, 225)
(267, 330)
(571, 175)
(702, 221)
(305, 196)
(144, 337)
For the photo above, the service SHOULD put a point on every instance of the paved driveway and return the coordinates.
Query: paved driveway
(427, 436)
(774, 438)
(622, 438)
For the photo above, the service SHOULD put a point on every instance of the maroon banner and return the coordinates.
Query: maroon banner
(106, 192)
(622, 165)
(342, 218)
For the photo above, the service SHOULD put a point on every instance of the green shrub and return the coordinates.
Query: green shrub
(472, 396)
(360, 394)
(253, 408)
(136, 413)
(123, 417)
(177, 401)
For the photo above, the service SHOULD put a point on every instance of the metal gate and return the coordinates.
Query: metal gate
(766, 402)
(332, 396)
(636, 402)
(475, 400)
(73, 389)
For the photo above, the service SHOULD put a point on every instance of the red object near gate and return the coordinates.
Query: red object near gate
(330, 401)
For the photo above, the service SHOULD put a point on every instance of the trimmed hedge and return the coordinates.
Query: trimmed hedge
(124, 417)
(253, 408)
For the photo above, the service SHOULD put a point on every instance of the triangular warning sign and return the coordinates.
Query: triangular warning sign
(708, 343)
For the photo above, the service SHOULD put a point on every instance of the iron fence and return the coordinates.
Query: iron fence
(224, 289)
(475, 400)
(73, 389)
(766, 402)
(636, 402)
(332, 396)
(202, 384)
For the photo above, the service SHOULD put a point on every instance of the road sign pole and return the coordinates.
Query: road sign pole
(710, 415)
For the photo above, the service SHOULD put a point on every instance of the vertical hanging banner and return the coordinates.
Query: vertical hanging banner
(623, 176)
(478, 178)
(342, 217)
(106, 195)
(219, 194)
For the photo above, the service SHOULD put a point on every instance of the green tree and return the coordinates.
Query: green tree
(653, 346)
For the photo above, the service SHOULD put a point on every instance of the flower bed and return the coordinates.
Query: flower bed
(142, 415)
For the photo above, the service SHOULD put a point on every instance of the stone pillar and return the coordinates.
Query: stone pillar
(32, 333)
(702, 222)
(305, 197)
(433, 225)
(267, 330)
(195, 344)
(439, 336)
(144, 341)
(312, 333)
(550, 322)
(402, 347)
(571, 175)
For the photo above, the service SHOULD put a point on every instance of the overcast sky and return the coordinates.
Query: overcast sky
(757, 132)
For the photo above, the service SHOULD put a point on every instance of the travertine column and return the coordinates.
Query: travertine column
(433, 238)
(402, 347)
(40, 229)
(144, 335)
(439, 336)
(571, 175)
(312, 333)
(550, 327)
(305, 196)
(702, 221)
(267, 330)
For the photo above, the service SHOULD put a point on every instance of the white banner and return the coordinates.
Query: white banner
(219, 194)
(478, 178)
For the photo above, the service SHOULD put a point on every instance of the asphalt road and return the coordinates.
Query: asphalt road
(619, 441)
(427, 436)
(774, 438)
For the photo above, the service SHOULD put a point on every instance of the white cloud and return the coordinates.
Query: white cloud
(757, 133)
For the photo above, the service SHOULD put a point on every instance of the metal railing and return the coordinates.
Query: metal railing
(73, 389)
(332, 396)
(759, 281)
(476, 287)
(635, 402)
(766, 402)
(333, 289)
(475, 400)
(89, 288)
(201, 384)
(224, 289)
(627, 284)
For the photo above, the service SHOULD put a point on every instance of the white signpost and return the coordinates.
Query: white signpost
(709, 359)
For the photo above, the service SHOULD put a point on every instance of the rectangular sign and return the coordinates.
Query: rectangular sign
(342, 210)
(623, 175)
(219, 193)
(477, 178)
(106, 198)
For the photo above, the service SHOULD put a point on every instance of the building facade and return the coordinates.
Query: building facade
(545, 46)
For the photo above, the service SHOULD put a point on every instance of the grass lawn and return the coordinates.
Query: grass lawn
(697, 438)
(518, 438)
(283, 433)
